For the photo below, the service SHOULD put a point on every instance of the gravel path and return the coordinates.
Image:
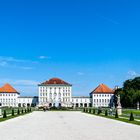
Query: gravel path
(66, 126)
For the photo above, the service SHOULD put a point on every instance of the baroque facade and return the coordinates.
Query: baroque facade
(58, 93)
(55, 92)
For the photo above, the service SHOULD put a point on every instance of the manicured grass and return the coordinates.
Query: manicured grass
(128, 111)
(11, 117)
(9, 113)
(126, 119)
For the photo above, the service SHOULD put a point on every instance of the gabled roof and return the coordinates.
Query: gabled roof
(102, 89)
(55, 81)
(7, 88)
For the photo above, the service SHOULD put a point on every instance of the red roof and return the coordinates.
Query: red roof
(55, 81)
(7, 89)
(102, 89)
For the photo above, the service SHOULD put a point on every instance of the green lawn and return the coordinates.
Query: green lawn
(134, 111)
(9, 113)
(123, 119)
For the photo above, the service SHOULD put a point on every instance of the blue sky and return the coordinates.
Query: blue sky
(84, 42)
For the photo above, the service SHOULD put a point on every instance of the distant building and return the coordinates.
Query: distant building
(27, 101)
(55, 92)
(102, 96)
(8, 96)
(81, 101)
(58, 93)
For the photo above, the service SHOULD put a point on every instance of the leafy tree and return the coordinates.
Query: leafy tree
(106, 113)
(116, 114)
(4, 114)
(18, 112)
(131, 117)
(13, 112)
(94, 111)
(129, 93)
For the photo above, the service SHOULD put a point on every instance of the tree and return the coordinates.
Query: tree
(89, 110)
(13, 112)
(4, 114)
(131, 117)
(94, 111)
(106, 113)
(18, 112)
(99, 111)
(116, 114)
(129, 93)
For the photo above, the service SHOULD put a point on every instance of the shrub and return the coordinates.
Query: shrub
(106, 113)
(83, 109)
(89, 110)
(18, 112)
(13, 112)
(94, 111)
(30, 110)
(25, 111)
(131, 117)
(4, 114)
(99, 111)
(116, 114)
(22, 111)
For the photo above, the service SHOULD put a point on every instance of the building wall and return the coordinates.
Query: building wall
(81, 102)
(9, 99)
(55, 95)
(27, 101)
(102, 99)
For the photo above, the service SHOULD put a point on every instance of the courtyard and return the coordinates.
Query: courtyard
(66, 126)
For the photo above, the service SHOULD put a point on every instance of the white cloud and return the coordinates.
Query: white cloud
(11, 59)
(11, 62)
(26, 68)
(132, 74)
(3, 63)
(19, 82)
(44, 57)
(25, 82)
(80, 73)
(110, 20)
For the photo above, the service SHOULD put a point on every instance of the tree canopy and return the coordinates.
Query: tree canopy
(130, 92)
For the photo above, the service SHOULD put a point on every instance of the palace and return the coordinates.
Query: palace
(58, 93)
(55, 92)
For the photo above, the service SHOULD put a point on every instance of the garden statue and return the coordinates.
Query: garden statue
(0, 111)
(119, 107)
(138, 106)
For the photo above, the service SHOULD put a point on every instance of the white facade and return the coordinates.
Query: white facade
(26, 101)
(102, 96)
(9, 99)
(102, 99)
(55, 95)
(81, 102)
(56, 92)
